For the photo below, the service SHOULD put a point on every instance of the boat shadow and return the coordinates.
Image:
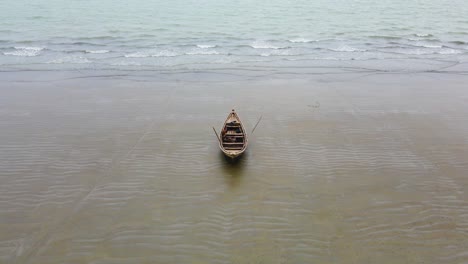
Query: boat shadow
(233, 170)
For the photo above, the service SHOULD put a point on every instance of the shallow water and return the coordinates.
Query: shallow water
(342, 169)
(208, 34)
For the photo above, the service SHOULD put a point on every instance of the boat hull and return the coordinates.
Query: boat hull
(232, 156)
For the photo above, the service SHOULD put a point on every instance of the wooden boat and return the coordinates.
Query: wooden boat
(233, 138)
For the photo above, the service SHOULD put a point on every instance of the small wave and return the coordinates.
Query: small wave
(202, 52)
(345, 48)
(126, 63)
(459, 33)
(165, 53)
(423, 39)
(70, 59)
(300, 40)
(97, 38)
(427, 46)
(144, 35)
(327, 58)
(201, 46)
(384, 37)
(458, 42)
(37, 17)
(79, 43)
(283, 52)
(416, 51)
(139, 54)
(432, 46)
(449, 51)
(423, 35)
(25, 51)
(427, 51)
(147, 54)
(263, 45)
(97, 51)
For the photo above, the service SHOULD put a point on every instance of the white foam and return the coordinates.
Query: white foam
(300, 40)
(422, 35)
(262, 45)
(346, 48)
(432, 46)
(201, 46)
(449, 51)
(427, 46)
(97, 51)
(137, 55)
(25, 51)
(146, 54)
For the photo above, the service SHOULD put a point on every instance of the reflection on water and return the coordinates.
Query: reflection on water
(233, 169)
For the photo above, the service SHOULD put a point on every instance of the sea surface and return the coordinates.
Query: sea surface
(186, 35)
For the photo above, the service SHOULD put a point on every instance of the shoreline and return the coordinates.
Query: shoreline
(244, 71)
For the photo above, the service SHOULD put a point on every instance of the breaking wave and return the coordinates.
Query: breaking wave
(423, 35)
(346, 48)
(147, 54)
(263, 45)
(428, 46)
(201, 46)
(97, 51)
(300, 40)
(25, 51)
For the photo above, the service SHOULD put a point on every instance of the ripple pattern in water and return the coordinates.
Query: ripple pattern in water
(128, 171)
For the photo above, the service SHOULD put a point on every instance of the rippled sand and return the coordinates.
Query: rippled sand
(342, 169)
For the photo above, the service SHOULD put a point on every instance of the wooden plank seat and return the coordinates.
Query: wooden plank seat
(233, 148)
(232, 132)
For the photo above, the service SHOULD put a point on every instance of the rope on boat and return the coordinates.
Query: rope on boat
(219, 139)
(260, 119)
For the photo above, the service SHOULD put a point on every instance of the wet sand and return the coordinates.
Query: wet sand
(343, 168)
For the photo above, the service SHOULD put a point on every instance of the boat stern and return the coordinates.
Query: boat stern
(233, 154)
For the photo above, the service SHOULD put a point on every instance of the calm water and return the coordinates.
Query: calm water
(118, 171)
(209, 34)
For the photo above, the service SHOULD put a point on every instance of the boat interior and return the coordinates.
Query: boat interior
(233, 137)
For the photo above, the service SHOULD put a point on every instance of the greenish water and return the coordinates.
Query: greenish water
(208, 34)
